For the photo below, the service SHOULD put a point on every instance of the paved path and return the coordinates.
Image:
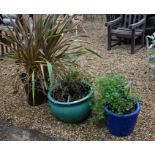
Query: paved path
(9, 132)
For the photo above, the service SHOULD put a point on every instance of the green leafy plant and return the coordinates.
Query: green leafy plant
(45, 47)
(115, 92)
(74, 86)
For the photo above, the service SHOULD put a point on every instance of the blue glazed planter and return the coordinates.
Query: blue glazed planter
(71, 112)
(121, 125)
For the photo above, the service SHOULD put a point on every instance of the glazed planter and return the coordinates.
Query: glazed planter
(121, 125)
(71, 112)
(40, 97)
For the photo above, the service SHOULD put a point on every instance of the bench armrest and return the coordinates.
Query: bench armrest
(113, 22)
(141, 22)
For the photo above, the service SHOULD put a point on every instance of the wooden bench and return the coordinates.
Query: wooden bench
(128, 27)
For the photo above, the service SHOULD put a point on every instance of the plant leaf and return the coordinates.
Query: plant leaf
(50, 72)
(93, 52)
(33, 87)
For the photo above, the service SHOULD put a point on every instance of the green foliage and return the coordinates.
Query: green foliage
(74, 86)
(44, 48)
(115, 92)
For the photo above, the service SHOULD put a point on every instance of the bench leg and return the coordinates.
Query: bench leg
(120, 41)
(109, 39)
(132, 46)
(2, 47)
(133, 42)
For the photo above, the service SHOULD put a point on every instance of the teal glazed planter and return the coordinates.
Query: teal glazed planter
(71, 112)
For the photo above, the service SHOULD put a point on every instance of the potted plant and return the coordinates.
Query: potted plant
(46, 49)
(118, 103)
(71, 98)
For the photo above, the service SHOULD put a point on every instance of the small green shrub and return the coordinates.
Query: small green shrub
(115, 92)
(74, 86)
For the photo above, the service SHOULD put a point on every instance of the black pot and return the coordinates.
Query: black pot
(23, 77)
(39, 98)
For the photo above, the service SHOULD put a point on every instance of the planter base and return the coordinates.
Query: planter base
(40, 97)
(121, 125)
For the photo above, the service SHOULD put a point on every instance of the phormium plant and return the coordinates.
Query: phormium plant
(45, 47)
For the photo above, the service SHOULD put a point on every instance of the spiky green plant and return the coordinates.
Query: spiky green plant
(45, 47)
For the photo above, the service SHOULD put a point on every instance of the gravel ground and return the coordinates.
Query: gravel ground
(13, 105)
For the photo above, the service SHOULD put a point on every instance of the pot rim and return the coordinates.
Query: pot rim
(124, 115)
(50, 98)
